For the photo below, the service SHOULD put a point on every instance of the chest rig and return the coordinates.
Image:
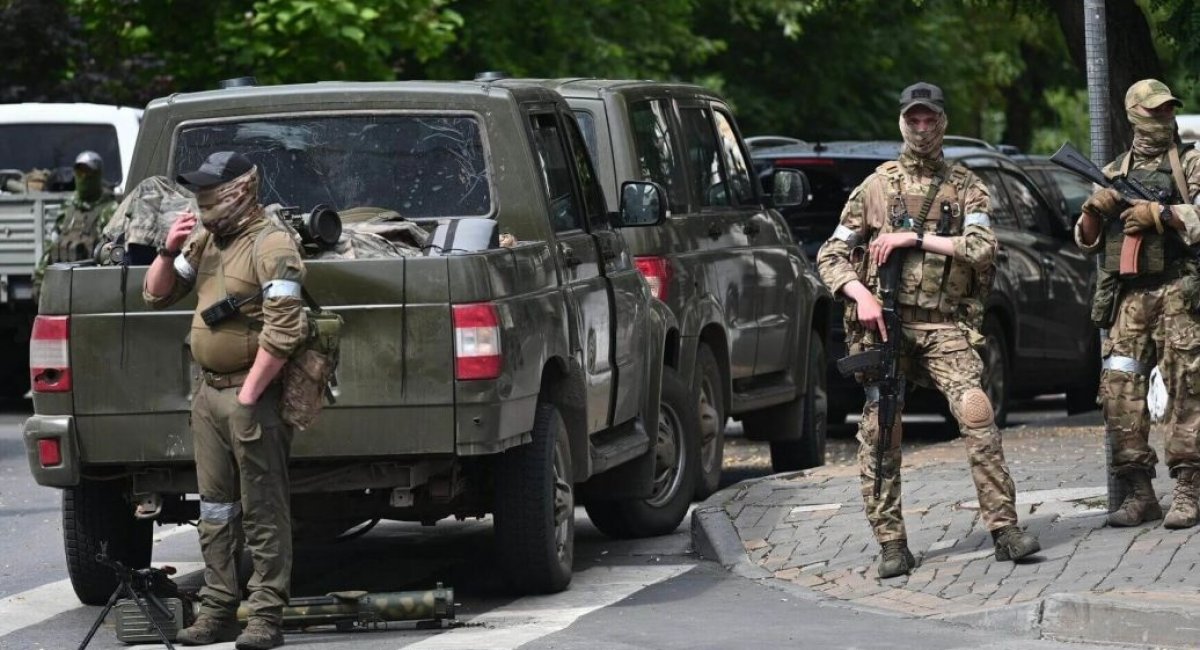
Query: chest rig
(80, 230)
(1159, 253)
(928, 280)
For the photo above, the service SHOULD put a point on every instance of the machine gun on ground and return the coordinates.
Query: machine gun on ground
(880, 365)
(152, 609)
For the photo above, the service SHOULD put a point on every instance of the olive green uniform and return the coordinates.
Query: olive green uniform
(938, 298)
(242, 452)
(76, 232)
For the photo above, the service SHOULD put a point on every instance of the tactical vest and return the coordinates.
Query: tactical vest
(80, 230)
(1159, 253)
(928, 280)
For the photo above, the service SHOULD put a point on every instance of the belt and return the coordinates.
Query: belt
(1154, 280)
(221, 380)
(909, 314)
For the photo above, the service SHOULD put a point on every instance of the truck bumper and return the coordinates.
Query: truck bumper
(56, 431)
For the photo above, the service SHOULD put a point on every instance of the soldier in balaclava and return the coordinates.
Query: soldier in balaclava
(78, 228)
(249, 319)
(890, 214)
(1147, 296)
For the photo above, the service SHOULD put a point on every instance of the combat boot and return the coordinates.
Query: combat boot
(1139, 505)
(1184, 512)
(1012, 544)
(260, 634)
(896, 559)
(207, 630)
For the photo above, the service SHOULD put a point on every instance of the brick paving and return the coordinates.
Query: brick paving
(809, 529)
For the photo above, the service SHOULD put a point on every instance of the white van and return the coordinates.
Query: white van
(49, 136)
(1189, 127)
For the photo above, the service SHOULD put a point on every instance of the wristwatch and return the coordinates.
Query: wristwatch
(921, 240)
(163, 251)
(1164, 215)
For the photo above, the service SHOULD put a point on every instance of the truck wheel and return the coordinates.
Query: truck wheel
(676, 459)
(710, 414)
(1081, 396)
(96, 512)
(535, 508)
(996, 369)
(797, 429)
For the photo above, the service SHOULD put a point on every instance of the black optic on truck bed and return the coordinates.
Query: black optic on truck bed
(419, 166)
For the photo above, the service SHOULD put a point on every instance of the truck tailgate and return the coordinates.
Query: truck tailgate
(133, 377)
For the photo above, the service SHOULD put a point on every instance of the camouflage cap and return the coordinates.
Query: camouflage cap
(1149, 93)
(925, 94)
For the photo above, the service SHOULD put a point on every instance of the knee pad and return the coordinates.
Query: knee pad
(976, 409)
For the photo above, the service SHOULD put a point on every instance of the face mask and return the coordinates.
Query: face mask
(924, 144)
(227, 208)
(88, 186)
(1151, 136)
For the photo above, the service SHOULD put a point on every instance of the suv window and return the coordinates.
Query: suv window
(593, 197)
(704, 160)
(1002, 215)
(556, 172)
(735, 160)
(422, 166)
(50, 146)
(587, 126)
(1034, 213)
(657, 150)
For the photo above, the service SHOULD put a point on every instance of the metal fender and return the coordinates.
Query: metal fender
(660, 322)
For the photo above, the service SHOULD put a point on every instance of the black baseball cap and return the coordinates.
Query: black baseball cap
(220, 167)
(927, 95)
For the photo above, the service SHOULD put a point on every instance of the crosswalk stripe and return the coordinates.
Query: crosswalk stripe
(47, 601)
(533, 617)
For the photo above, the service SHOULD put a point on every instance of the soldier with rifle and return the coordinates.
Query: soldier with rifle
(924, 267)
(1143, 224)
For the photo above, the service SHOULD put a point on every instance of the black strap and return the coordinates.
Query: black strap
(308, 300)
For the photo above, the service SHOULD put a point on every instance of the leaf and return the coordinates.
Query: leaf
(353, 33)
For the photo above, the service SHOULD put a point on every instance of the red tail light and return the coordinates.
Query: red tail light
(657, 271)
(49, 356)
(49, 452)
(804, 162)
(477, 353)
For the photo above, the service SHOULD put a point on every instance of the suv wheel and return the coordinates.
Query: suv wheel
(1081, 396)
(996, 368)
(95, 513)
(535, 508)
(797, 429)
(676, 459)
(710, 413)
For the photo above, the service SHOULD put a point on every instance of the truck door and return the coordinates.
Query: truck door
(725, 230)
(580, 264)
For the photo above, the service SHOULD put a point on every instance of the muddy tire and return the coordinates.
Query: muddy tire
(535, 508)
(797, 430)
(709, 399)
(96, 512)
(677, 452)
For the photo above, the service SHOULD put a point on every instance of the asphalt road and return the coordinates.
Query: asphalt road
(641, 594)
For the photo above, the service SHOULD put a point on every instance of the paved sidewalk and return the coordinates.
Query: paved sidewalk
(1137, 585)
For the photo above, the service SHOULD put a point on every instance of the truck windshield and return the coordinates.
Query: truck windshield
(47, 146)
(421, 166)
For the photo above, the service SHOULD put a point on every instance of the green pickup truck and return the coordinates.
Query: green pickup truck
(753, 314)
(475, 378)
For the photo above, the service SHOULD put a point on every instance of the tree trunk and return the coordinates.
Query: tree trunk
(1131, 54)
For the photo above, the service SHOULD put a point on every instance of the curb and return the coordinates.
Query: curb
(1146, 619)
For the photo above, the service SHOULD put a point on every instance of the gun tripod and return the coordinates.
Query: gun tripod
(136, 585)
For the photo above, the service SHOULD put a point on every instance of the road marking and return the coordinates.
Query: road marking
(817, 507)
(534, 617)
(47, 601)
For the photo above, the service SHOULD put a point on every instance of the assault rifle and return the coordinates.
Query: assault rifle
(1069, 158)
(881, 363)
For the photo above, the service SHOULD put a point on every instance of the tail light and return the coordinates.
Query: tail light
(49, 452)
(477, 353)
(804, 162)
(657, 271)
(49, 357)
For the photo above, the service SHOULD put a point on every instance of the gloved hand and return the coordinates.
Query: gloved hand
(1106, 202)
(1143, 215)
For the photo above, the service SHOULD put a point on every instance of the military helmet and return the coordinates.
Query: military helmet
(1149, 93)
(90, 160)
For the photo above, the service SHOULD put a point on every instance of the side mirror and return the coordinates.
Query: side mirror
(643, 203)
(789, 188)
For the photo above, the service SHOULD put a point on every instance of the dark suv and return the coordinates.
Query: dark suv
(1039, 336)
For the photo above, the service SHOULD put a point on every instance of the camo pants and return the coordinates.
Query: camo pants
(242, 470)
(944, 357)
(1153, 325)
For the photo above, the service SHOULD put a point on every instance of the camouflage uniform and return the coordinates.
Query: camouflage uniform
(242, 452)
(1154, 321)
(938, 302)
(77, 230)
